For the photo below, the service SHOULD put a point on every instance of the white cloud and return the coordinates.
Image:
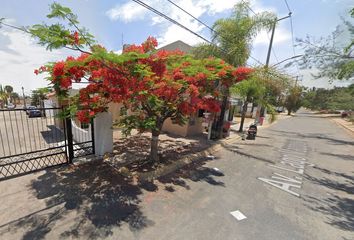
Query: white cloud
(281, 35)
(131, 11)
(127, 12)
(19, 56)
(174, 33)
(214, 7)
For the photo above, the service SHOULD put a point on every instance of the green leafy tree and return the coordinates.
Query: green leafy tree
(3, 97)
(338, 98)
(38, 96)
(233, 36)
(250, 90)
(333, 58)
(276, 84)
(293, 100)
(342, 99)
(8, 90)
(154, 85)
(14, 97)
(232, 41)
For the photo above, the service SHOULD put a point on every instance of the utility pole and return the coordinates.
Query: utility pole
(24, 97)
(298, 79)
(122, 41)
(259, 108)
(272, 37)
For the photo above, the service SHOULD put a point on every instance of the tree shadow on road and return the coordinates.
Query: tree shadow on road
(339, 207)
(90, 200)
(341, 156)
(245, 153)
(314, 136)
(196, 172)
(94, 195)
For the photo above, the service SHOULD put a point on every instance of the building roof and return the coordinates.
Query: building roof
(184, 47)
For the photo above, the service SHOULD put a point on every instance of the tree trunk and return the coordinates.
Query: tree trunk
(243, 115)
(289, 112)
(154, 153)
(220, 124)
(218, 130)
(43, 110)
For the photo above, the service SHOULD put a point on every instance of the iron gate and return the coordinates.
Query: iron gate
(32, 140)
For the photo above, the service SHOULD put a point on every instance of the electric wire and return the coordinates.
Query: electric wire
(158, 13)
(181, 25)
(287, 5)
(141, 3)
(292, 35)
(273, 50)
(204, 24)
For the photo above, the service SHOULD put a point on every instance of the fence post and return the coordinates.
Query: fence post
(103, 134)
(69, 138)
(93, 136)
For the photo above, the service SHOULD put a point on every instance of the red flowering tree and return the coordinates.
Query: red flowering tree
(153, 84)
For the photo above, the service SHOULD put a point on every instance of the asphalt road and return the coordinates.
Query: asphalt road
(323, 209)
(20, 134)
(295, 181)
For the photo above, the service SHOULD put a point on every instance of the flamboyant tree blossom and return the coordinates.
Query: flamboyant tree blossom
(153, 84)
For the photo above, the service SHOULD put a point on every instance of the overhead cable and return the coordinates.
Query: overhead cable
(204, 24)
(181, 25)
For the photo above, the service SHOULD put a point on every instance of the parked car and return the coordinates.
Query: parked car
(345, 114)
(10, 106)
(34, 113)
(29, 108)
(280, 109)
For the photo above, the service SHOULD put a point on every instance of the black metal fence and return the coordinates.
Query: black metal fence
(31, 141)
(80, 139)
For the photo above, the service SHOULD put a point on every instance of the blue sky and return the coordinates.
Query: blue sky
(110, 20)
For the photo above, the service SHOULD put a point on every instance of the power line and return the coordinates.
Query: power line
(192, 16)
(275, 56)
(181, 25)
(287, 5)
(273, 52)
(169, 19)
(12, 26)
(292, 35)
(205, 25)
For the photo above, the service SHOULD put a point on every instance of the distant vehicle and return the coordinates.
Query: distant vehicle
(29, 108)
(345, 114)
(252, 131)
(34, 113)
(280, 109)
(10, 106)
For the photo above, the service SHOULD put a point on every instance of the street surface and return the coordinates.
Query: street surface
(21, 134)
(295, 181)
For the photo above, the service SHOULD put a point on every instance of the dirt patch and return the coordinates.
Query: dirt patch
(132, 152)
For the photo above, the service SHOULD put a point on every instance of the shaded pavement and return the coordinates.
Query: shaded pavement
(93, 201)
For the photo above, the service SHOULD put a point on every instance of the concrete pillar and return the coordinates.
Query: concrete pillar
(103, 133)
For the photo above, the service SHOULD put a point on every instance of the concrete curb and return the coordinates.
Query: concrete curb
(350, 130)
(182, 162)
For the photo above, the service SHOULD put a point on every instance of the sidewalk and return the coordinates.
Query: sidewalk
(344, 123)
(205, 151)
(236, 125)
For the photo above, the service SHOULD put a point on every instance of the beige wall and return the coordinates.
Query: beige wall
(114, 109)
(170, 127)
(196, 128)
(185, 130)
